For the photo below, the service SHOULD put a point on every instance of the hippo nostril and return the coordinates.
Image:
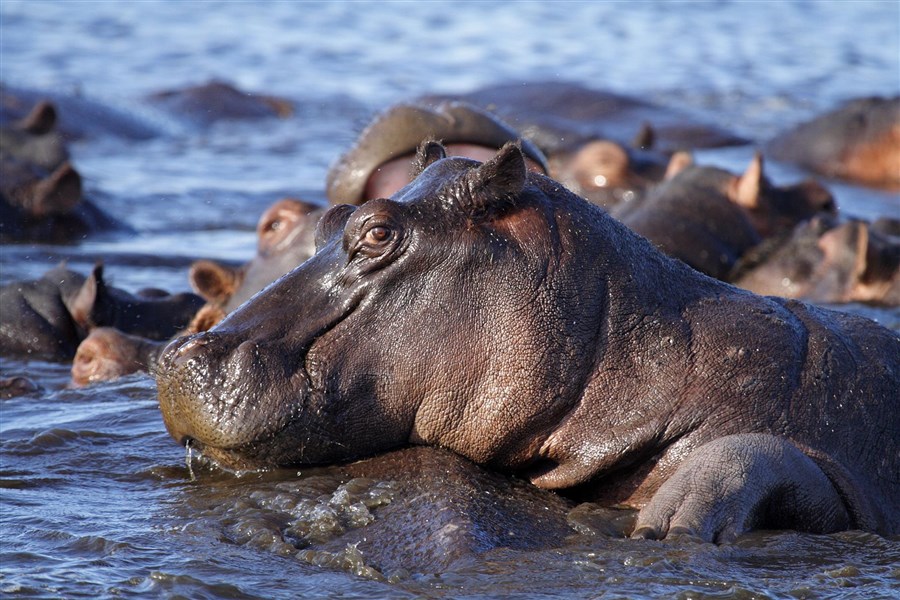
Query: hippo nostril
(190, 348)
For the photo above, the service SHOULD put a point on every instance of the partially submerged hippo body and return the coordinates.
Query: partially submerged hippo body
(859, 142)
(380, 161)
(40, 191)
(605, 147)
(79, 117)
(709, 217)
(285, 238)
(491, 312)
(826, 261)
(49, 317)
(215, 101)
(560, 115)
(286, 232)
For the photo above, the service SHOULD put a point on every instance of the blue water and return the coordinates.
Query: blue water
(94, 496)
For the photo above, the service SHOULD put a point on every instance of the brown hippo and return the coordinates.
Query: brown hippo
(604, 146)
(710, 218)
(107, 353)
(859, 141)
(219, 101)
(78, 116)
(40, 191)
(489, 311)
(285, 238)
(825, 261)
(49, 317)
(286, 234)
(380, 161)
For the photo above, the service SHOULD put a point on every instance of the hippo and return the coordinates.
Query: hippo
(78, 116)
(40, 191)
(219, 101)
(107, 353)
(604, 146)
(487, 310)
(560, 115)
(286, 233)
(859, 142)
(603, 171)
(285, 238)
(824, 260)
(49, 317)
(379, 162)
(709, 217)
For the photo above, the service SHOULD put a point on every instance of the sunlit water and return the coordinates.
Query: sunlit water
(96, 498)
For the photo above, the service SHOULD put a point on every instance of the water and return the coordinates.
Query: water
(96, 498)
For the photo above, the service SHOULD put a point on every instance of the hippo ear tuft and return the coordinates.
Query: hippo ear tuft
(429, 151)
(495, 185)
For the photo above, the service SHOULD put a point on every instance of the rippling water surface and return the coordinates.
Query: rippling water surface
(96, 498)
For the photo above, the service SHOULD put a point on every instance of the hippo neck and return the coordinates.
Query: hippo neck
(625, 414)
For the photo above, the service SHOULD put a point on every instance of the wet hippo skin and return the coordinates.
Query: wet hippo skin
(487, 310)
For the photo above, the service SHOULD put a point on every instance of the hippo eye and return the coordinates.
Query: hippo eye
(273, 225)
(377, 235)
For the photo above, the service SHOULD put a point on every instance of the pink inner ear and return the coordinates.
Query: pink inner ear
(746, 190)
(214, 282)
(678, 163)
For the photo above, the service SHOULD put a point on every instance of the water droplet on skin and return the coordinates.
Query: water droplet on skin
(600, 181)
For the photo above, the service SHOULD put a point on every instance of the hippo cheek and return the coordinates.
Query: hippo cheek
(226, 404)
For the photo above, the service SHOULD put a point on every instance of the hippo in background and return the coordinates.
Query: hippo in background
(709, 218)
(40, 191)
(487, 310)
(827, 261)
(215, 101)
(77, 116)
(858, 142)
(381, 159)
(48, 317)
(286, 238)
(604, 146)
(378, 164)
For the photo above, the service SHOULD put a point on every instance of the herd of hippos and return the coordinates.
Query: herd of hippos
(536, 277)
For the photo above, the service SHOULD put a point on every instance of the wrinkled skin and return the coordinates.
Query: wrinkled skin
(710, 218)
(107, 354)
(382, 159)
(825, 261)
(40, 191)
(50, 316)
(285, 238)
(491, 312)
(859, 142)
(220, 101)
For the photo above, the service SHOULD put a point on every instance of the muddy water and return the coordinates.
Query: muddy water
(96, 500)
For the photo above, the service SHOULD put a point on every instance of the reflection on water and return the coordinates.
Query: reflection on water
(96, 499)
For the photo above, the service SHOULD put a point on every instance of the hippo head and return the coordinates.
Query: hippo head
(429, 317)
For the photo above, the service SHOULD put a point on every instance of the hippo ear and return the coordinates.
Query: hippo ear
(493, 186)
(645, 137)
(679, 162)
(90, 307)
(746, 190)
(40, 120)
(429, 151)
(216, 283)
